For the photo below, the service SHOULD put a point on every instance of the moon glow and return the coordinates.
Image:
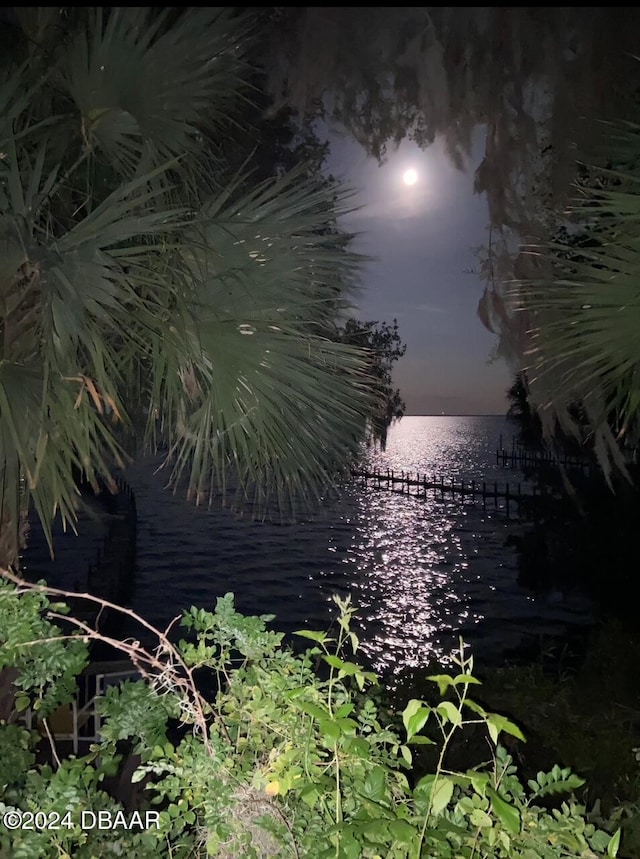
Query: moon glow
(410, 177)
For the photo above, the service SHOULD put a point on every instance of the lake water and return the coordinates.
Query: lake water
(421, 572)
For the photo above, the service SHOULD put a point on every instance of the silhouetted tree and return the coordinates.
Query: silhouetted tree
(538, 81)
(383, 345)
(522, 414)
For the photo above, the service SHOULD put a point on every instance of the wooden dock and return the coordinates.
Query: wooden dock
(526, 459)
(523, 459)
(502, 496)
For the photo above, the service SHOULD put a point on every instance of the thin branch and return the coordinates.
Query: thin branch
(52, 743)
(172, 666)
(45, 589)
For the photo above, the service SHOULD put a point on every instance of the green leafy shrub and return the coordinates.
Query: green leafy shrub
(47, 662)
(289, 757)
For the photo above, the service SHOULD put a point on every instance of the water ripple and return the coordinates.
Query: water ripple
(421, 572)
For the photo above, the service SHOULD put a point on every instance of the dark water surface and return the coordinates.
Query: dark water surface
(421, 572)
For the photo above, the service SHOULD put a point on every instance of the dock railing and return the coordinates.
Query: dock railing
(81, 720)
(504, 496)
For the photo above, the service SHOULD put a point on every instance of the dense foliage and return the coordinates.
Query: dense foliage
(150, 287)
(288, 756)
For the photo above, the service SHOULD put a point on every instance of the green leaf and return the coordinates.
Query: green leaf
(59, 607)
(555, 782)
(414, 717)
(357, 746)
(349, 669)
(412, 707)
(476, 708)
(449, 713)
(479, 782)
(481, 819)
(310, 794)
(443, 681)
(424, 785)
(441, 794)
(465, 679)
(319, 637)
(614, 844)
(315, 710)
(497, 724)
(374, 786)
(599, 841)
(334, 661)
(330, 730)
(349, 847)
(402, 831)
(507, 814)
(22, 702)
(344, 710)
(420, 740)
(376, 831)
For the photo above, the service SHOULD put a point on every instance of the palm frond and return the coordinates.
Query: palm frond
(68, 302)
(584, 311)
(264, 283)
(148, 83)
(136, 286)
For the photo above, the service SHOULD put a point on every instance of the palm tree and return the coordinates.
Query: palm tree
(584, 309)
(144, 289)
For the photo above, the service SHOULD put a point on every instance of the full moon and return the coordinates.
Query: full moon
(410, 177)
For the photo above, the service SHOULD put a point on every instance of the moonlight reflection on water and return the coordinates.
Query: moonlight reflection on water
(421, 572)
(404, 578)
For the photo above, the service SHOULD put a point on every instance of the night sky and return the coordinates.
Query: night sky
(423, 239)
